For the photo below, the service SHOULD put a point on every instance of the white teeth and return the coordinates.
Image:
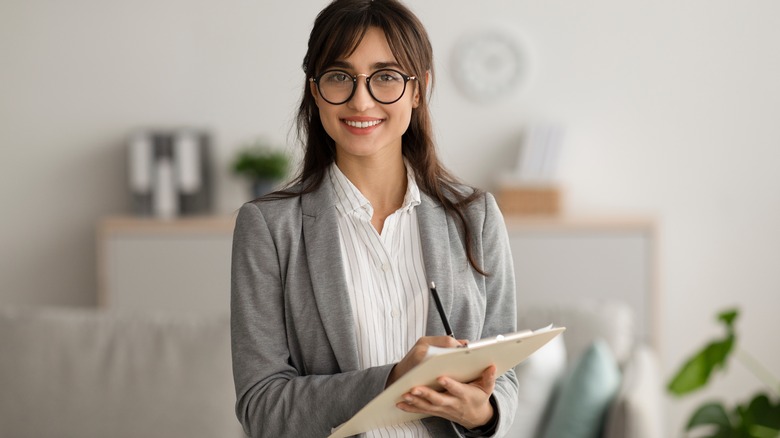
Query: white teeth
(362, 124)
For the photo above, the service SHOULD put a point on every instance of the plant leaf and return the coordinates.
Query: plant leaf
(695, 373)
(728, 317)
(761, 417)
(759, 431)
(713, 416)
(261, 163)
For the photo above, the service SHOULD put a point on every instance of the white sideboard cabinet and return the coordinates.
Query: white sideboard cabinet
(184, 264)
(569, 259)
(151, 264)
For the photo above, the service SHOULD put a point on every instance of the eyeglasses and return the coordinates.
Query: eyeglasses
(338, 86)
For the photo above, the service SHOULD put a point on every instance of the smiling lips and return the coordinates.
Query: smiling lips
(362, 124)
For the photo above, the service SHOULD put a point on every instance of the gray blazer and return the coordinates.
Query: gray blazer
(295, 360)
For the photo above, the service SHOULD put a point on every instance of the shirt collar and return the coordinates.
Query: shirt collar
(349, 198)
(412, 196)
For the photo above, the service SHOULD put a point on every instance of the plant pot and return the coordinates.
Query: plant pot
(263, 186)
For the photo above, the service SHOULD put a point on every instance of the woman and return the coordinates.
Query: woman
(330, 299)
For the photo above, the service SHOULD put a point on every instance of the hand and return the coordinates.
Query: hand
(417, 353)
(467, 404)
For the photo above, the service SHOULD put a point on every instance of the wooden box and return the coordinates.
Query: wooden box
(535, 200)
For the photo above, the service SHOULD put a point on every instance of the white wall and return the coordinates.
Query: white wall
(668, 106)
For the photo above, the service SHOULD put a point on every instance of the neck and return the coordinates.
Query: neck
(382, 182)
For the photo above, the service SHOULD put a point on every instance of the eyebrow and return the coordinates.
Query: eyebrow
(374, 66)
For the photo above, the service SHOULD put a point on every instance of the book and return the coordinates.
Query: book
(462, 364)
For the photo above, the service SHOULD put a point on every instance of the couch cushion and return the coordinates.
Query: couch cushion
(85, 373)
(636, 410)
(585, 394)
(537, 377)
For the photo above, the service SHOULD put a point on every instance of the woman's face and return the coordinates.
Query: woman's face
(363, 127)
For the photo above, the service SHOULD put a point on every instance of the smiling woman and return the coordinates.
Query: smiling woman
(330, 299)
(366, 119)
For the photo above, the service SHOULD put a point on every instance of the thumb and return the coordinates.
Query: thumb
(487, 381)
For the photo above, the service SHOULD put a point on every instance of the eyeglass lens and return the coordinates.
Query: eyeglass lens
(386, 86)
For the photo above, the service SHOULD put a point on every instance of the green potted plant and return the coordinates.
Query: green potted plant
(263, 165)
(758, 418)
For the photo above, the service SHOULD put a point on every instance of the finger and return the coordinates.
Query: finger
(420, 406)
(465, 391)
(422, 396)
(407, 407)
(441, 341)
(453, 387)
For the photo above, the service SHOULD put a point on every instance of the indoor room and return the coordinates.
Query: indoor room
(626, 145)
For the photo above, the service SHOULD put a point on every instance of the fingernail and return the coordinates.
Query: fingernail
(443, 382)
(416, 392)
(408, 399)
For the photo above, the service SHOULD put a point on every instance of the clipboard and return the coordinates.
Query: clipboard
(462, 364)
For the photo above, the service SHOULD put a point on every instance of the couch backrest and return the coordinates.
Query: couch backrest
(585, 321)
(85, 373)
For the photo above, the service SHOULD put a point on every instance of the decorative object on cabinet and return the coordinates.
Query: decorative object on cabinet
(529, 199)
(169, 172)
(531, 187)
(264, 165)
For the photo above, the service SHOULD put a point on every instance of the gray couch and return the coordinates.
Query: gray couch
(633, 410)
(84, 373)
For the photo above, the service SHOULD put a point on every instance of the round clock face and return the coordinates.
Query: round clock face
(488, 65)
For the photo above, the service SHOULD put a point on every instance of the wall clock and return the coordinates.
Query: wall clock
(489, 65)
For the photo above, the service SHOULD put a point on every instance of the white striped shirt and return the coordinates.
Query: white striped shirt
(385, 281)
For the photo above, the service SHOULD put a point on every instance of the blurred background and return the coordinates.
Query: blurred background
(666, 111)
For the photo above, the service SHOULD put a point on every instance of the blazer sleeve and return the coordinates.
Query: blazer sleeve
(500, 310)
(274, 398)
(500, 317)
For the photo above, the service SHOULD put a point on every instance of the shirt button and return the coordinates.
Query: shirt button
(386, 267)
(395, 313)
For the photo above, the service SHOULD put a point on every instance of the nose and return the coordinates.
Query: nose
(362, 99)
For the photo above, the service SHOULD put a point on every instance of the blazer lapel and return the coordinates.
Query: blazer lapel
(326, 267)
(434, 236)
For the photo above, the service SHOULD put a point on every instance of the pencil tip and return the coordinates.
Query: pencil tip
(433, 285)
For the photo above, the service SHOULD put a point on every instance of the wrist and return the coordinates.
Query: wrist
(393, 376)
(486, 415)
(489, 427)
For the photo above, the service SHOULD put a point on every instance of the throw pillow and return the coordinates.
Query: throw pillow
(536, 380)
(585, 395)
(637, 405)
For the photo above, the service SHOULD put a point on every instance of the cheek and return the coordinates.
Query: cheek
(329, 121)
(402, 120)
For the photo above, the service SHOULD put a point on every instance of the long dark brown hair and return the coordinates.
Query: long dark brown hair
(337, 31)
